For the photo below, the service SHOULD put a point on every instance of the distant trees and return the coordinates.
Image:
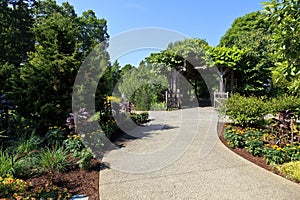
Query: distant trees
(185, 57)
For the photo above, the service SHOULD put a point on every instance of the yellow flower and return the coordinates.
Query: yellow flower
(288, 145)
(10, 180)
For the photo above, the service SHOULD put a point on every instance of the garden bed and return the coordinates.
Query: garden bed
(257, 160)
(76, 181)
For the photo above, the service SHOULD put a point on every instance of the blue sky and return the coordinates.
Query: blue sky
(203, 19)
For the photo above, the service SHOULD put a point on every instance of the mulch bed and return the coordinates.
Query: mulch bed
(245, 154)
(76, 181)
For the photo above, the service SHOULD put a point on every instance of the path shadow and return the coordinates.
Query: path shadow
(123, 138)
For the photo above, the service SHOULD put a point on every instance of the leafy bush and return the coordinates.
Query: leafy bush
(284, 102)
(291, 170)
(158, 106)
(140, 118)
(245, 111)
(26, 145)
(235, 137)
(54, 160)
(293, 151)
(6, 163)
(254, 143)
(25, 166)
(275, 155)
(84, 158)
(55, 134)
(75, 145)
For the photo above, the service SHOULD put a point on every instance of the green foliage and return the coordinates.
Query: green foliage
(224, 57)
(6, 163)
(110, 128)
(75, 145)
(25, 165)
(62, 41)
(158, 106)
(285, 19)
(25, 144)
(275, 155)
(184, 56)
(55, 135)
(84, 158)
(140, 118)
(235, 137)
(20, 159)
(291, 170)
(284, 102)
(144, 86)
(16, 37)
(250, 33)
(245, 110)
(53, 160)
(259, 143)
(254, 143)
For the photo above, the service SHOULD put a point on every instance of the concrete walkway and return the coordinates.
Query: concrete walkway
(178, 156)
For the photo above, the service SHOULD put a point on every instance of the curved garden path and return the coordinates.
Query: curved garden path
(178, 156)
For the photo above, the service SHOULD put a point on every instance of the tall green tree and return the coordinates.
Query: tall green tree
(285, 19)
(44, 91)
(16, 38)
(251, 34)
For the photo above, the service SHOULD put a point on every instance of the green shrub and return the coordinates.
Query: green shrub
(55, 135)
(140, 118)
(84, 158)
(245, 111)
(291, 170)
(26, 145)
(158, 106)
(25, 167)
(235, 137)
(6, 163)
(284, 102)
(254, 143)
(275, 155)
(53, 160)
(74, 144)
